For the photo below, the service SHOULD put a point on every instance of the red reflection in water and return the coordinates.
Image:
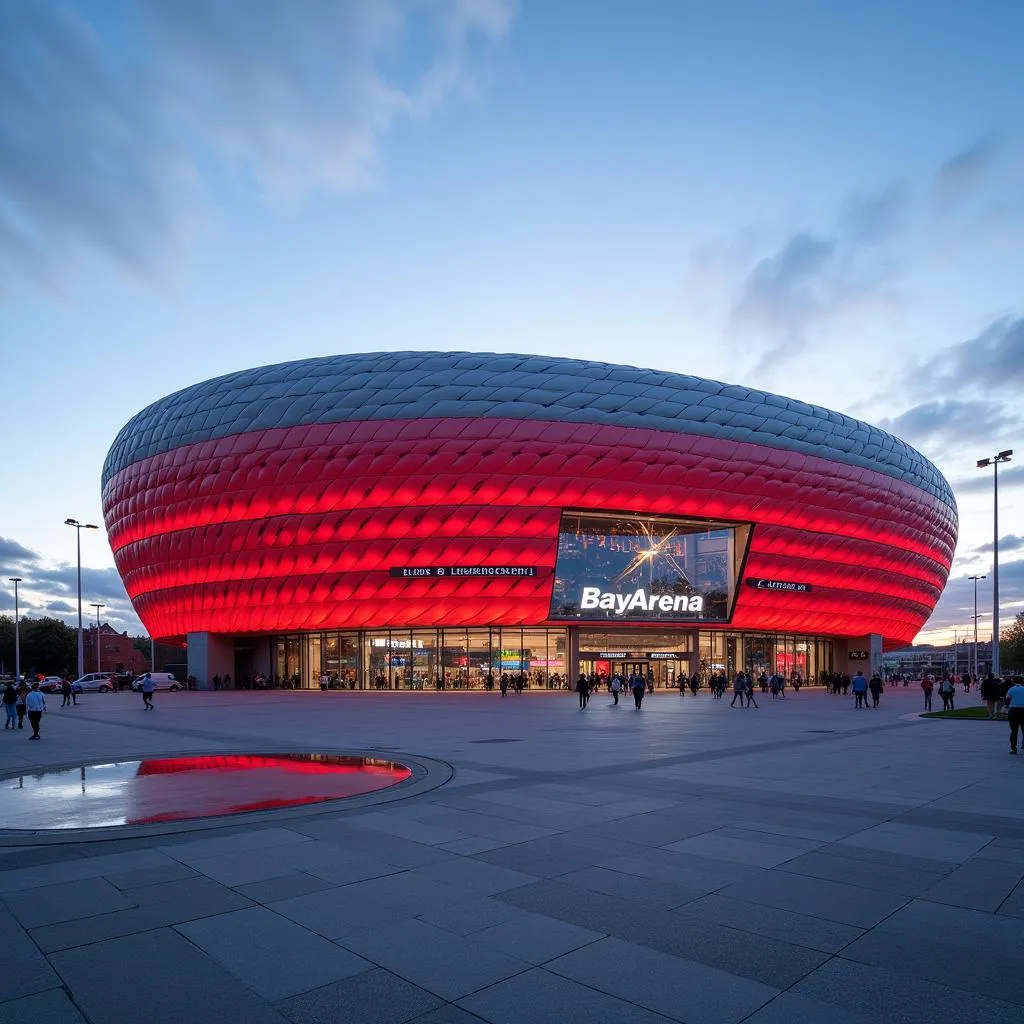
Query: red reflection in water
(205, 786)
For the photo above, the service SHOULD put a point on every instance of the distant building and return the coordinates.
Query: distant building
(956, 659)
(117, 652)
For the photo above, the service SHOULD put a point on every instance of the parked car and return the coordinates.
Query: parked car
(94, 682)
(163, 681)
(51, 684)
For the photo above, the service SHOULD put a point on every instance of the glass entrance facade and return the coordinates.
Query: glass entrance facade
(476, 659)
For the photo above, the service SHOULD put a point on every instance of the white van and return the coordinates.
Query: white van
(161, 680)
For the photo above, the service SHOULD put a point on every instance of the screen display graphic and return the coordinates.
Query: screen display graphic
(626, 568)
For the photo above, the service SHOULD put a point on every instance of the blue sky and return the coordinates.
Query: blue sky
(824, 200)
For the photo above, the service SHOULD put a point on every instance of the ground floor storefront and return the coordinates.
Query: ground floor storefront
(542, 658)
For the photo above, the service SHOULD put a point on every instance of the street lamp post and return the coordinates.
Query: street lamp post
(79, 527)
(994, 463)
(17, 631)
(976, 578)
(97, 605)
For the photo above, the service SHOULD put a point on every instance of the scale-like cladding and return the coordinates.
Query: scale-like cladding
(279, 498)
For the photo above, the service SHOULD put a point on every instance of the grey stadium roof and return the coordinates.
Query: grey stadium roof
(414, 385)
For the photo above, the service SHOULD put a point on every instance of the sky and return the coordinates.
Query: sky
(821, 200)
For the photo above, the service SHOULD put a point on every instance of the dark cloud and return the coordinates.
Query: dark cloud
(97, 584)
(112, 115)
(1009, 477)
(991, 362)
(61, 607)
(15, 558)
(1011, 542)
(949, 420)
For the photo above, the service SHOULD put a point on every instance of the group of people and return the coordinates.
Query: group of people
(21, 701)
(635, 683)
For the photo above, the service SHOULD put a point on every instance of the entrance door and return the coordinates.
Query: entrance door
(629, 668)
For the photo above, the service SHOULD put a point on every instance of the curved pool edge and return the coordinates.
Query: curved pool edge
(427, 774)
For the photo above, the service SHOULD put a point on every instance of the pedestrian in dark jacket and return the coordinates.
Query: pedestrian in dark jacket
(583, 689)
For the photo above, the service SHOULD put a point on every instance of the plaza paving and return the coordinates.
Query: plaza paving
(804, 862)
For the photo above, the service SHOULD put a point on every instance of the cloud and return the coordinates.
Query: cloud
(993, 361)
(1011, 542)
(816, 277)
(949, 420)
(15, 558)
(964, 172)
(62, 607)
(111, 127)
(982, 483)
(956, 606)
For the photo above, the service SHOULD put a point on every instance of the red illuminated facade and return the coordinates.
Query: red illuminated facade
(281, 501)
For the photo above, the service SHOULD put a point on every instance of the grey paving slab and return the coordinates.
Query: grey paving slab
(921, 841)
(719, 846)
(816, 897)
(256, 839)
(299, 883)
(663, 895)
(177, 980)
(677, 988)
(774, 963)
(51, 1007)
(66, 901)
(449, 1014)
(651, 829)
(700, 874)
(198, 902)
(554, 855)
(441, 962)
(988, 971)
(471, 844)
(926, 865)
(82, 867)
(472, 915)
(892, 878)
(347, 909)
(890, 996)
(172, 871)
(771, 922)
(1013, 905)
(972, 929)
(371, 997)
(541, 997)
(980, 884)
(468, 874)
(536, 938)
(190, 892)
(250, 944)
(753, 835)
(371, 845)
(788, 1008)
(33, 973)
(487, 826)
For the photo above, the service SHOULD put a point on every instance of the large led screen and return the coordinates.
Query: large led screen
(622, 568)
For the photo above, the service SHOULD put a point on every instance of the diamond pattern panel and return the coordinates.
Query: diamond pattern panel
(296, 528)
(393, 386)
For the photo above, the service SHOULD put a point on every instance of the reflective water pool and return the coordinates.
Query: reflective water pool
(183, 788)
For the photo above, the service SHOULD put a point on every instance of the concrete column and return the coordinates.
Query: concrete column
(209, 655)
(572, 666)
(871, 644)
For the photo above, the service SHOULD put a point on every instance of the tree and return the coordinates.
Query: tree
(1011, 646)
(48, 646)
(6, 643)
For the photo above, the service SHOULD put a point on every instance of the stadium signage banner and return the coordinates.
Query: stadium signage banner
(421, 572)
(784, 586)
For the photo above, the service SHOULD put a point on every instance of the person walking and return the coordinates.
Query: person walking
(616, 688)
(1015, 710)
(947, 691)
(21, 707)
(583, 690)
(876, 686)
(65, 689)
(148, 686)
(860, 690)
(989, 689)
(503, 685)
(638, 685)
(739, 689)
(35, 702)
(10, 699)
(926, 689)
(748, 680)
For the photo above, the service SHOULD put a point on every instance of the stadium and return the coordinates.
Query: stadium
(422, 520)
